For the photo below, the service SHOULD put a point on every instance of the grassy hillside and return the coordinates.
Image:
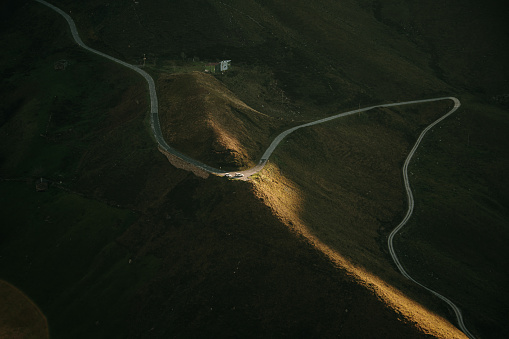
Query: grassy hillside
(20, 317)
(347, 198)
(54, 243)
(203, 119)
(120, 234)
(467, 40)
(472, 205)
(302, 249)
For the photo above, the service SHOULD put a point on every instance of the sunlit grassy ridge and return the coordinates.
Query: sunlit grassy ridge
(121, 234)
(214, 255)
(202, 118)
(348, 192)
(349, 195)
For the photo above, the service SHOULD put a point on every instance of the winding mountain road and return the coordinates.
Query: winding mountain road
(268, 152)
(390, 240)
(154, 107)
(156, 129)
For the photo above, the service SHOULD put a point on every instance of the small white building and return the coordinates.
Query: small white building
(218, 67)
(225, 65)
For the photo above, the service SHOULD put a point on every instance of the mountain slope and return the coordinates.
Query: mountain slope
(121, 234)
(204, 120)
(338, 185)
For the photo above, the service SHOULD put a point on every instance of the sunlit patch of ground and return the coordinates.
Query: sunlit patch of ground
(285, 199)
(19, 316)
(200, 117)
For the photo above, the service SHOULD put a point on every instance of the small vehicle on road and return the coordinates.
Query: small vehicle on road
(239, 175)
(227, 175)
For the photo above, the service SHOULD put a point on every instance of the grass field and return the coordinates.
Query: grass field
(123, 243)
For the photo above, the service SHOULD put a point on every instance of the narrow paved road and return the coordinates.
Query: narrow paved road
(156, 129)
(281, 136)
(390, 241)
(154, 108)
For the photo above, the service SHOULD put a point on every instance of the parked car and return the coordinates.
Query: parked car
(238, 175)
(228, 175)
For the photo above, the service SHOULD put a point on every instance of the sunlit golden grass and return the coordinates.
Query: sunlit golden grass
(19, 316)
(286, 200)
(202, 118)
(368, 192)
(340, 187)
(339, 205)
